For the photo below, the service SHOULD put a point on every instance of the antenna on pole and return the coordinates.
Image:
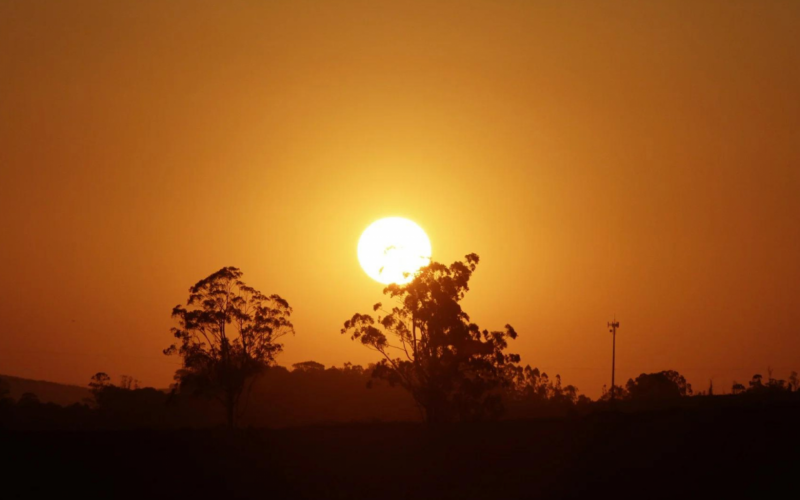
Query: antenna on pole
(612, 327)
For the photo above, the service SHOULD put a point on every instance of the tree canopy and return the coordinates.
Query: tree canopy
(662, 385)
(227, 334)
(452, 368)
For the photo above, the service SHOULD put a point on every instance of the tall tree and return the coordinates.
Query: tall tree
(227, 335)
(452, 368)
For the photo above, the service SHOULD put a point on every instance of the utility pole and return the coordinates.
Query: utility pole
(613, 329)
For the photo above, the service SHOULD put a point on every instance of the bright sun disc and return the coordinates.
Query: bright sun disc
(392, 247)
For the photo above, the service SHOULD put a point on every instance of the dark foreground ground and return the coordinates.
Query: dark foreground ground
(746, 452)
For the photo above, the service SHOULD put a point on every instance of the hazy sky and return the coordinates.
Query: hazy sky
(632, 158)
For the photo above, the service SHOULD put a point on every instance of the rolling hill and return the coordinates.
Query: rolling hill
(48, 392)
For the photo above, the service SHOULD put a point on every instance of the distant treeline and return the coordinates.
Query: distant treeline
(310, 393)
(435, 366)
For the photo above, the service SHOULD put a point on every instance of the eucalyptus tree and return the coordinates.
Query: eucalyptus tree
(452, 368)
(227, 334)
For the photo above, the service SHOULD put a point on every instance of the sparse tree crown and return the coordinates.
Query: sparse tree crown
(227, 334)
(452, 368)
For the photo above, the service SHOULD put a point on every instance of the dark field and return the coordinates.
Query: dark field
(749, 451)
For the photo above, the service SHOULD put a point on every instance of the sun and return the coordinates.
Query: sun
(392, 249)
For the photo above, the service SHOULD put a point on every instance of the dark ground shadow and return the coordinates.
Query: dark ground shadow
(746, 452)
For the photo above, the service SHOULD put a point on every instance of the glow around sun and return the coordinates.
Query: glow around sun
(391, 247)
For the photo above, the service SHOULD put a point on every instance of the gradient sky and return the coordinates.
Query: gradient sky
(632, 158)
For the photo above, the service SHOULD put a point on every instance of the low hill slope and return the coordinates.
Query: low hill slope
(48, 392)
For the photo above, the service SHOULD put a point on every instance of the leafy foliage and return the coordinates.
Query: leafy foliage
(227, 335)
(452, 368)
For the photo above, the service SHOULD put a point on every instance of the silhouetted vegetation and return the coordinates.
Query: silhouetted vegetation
(758, 386)
(452, 368)
(310, 393)
(533, 394)
(667, 384)
(448, 371)
(226, 336)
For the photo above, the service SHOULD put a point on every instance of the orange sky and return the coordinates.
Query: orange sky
(619, 157)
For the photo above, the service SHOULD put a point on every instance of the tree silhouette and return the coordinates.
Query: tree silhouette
(226, 336)
(452, 368)
(756, 383)
(662, 385)
(308, 366)
(99, 381)
(129, 383)
(794, 382)
(533, 393)
(620, 393)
